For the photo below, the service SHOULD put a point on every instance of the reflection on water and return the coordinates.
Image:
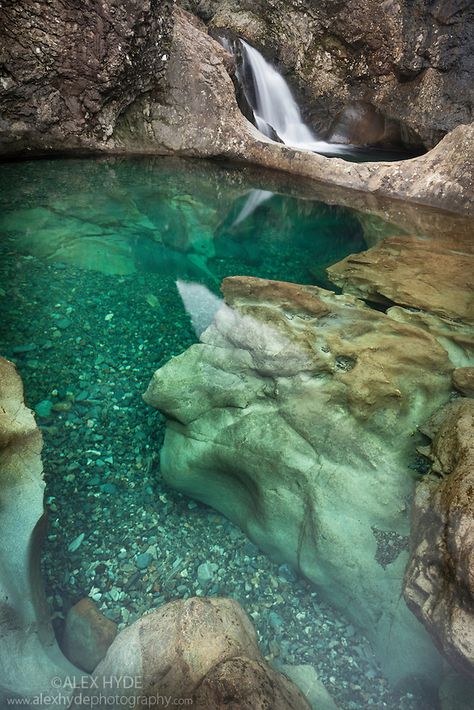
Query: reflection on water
(123, 217)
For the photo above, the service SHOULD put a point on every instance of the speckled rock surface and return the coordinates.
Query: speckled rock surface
(68, 69)
(202, 649)
(439, 583)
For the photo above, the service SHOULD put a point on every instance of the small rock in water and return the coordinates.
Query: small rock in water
(206, 571)
(76, 543)
(152, 300)
(143, 560)
(87, 635)
(109, 488)
(20, 349)
(63, 323)
(44, 408)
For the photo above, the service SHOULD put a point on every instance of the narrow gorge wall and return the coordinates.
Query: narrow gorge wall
(69, 68)
(412, 59)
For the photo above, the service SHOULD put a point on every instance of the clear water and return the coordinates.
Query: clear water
(108, 268)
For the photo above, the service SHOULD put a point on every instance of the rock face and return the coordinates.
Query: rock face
(202, 649)
(293, 417)
(439, 583)
(434, 276)
(463, 380)
(197, 113)
(201, 118)
(87, 635)
(431, 281)
(67, 70)
(411, 59)
(29, 656)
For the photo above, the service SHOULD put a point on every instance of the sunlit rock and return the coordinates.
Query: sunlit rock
(429, 282)
(294, 417)
(29, 655)
(463, 380)
(199, 649)
(439, 584)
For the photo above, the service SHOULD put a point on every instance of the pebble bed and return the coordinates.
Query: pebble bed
(86, 345)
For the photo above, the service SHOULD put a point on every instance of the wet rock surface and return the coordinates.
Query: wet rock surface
(439, 582)
(463, 380)
(203, 650)
(432, 275)
(411, 60)
(29, 655)
(428, 282)
(294, 393)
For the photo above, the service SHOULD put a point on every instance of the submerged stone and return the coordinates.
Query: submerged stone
(44, 408)
(305, 455)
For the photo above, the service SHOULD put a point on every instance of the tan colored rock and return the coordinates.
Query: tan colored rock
(456, 337)
(203, 649)
(426, 274)
(29, 655)
(463, 380)
(439, 581)
(294, 417)
(431, 281)
(87, 635)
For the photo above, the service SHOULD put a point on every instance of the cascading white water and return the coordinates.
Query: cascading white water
(275, 104)
(274, 107)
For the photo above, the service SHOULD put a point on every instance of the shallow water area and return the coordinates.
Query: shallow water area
(108, 268)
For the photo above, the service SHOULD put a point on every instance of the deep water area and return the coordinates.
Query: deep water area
(109, 268)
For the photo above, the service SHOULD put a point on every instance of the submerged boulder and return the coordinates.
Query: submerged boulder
(29, 655)
(439, 582)
(203, 650)
(87, 635)
(294, 417)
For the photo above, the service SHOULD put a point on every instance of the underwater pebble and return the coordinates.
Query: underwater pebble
(205, 572)
(44, 408)
(144, 560)
(76, 543)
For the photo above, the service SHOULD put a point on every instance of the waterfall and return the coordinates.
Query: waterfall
(275, 104)
(274, 109)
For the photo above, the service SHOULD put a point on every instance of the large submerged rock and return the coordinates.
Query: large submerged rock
(29, 655)
(200, 650)
(439, 583)
(294, 417)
